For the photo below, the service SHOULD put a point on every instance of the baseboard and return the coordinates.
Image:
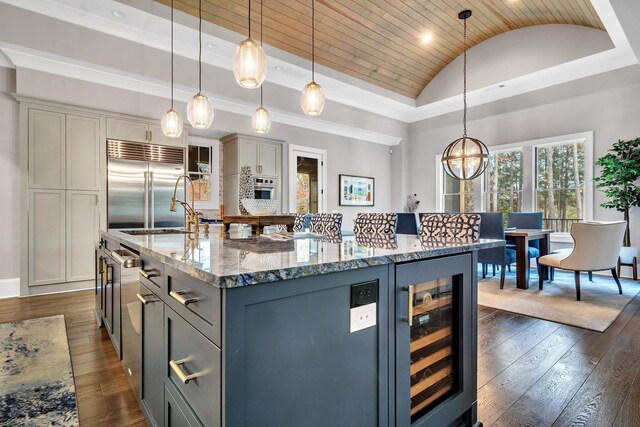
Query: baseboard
(9, 288)
(61, 287)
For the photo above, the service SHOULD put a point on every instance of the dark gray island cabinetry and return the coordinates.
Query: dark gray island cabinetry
(252, 332)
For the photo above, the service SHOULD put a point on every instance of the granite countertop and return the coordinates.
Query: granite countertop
(239, 259)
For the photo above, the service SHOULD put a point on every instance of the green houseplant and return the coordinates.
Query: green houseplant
(620, 171)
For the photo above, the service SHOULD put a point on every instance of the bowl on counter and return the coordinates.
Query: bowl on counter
(259, 207)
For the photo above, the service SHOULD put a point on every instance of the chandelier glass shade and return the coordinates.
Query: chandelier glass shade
(249, 64)
(465, 158)
(171, 123)
(261, 120)
(312, 99)
(200, 111)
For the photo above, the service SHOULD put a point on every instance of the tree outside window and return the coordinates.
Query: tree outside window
(560, 184)
(458, 195)
(503, 182)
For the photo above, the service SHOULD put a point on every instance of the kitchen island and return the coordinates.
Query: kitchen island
(238, 330)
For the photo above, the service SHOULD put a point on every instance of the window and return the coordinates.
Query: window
(458, 195)
(203, 169)
(550, 175)
(503, 182)
(560, 184)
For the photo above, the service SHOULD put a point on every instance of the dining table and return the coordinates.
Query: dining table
(522, 237)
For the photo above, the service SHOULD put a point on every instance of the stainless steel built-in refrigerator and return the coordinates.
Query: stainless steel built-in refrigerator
(140, 183)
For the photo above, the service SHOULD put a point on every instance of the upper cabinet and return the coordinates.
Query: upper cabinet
(263, 155)
(63, 150)
(83, 154)
(139, 131)
(47, 148)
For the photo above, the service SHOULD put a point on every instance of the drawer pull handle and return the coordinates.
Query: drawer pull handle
(179, 296)
(175, 367)
(143, 299)
(144, 273)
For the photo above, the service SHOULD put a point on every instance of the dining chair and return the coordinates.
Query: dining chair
(301, 223)
(407, 224)
(376, 223)
(326, 223)
(462, 227)
(492, 227)
(596, 248)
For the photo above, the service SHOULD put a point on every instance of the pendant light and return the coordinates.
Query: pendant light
(249, 61)
(171, 123)
(261, 121)
(312, 99)
(199, 108)
(465, 158)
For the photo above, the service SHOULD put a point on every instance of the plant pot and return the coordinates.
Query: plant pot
(627, 254)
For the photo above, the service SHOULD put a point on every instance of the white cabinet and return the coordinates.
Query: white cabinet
(62, 203)
(46, 237)
(82, 216)
(46, 149)
(82, 147)
(263, 155)
(139, 131)
(270, 158)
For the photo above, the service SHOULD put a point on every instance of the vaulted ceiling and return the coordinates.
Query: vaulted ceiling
(381, 41)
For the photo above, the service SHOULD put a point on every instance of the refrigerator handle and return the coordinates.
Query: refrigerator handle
(151, 201)
(146, 200)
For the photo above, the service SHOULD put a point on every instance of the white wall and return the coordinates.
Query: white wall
(606, 104)
(9, 181)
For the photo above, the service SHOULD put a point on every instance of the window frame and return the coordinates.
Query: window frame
(214, 145)
(529, 199)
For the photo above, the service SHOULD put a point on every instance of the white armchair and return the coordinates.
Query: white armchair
(596, 247)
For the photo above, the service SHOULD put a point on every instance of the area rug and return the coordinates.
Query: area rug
(600, 306)
(36, 379)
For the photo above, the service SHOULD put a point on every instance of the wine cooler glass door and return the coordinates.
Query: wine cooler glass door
(433, 301)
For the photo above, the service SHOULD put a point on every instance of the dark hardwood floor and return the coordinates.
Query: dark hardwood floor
(530, 372)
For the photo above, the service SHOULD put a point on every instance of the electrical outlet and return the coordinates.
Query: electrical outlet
(363, 317)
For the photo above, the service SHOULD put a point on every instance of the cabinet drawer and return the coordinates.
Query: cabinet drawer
(199, 303)
(176, 411)
(151, 274)
(193, 359)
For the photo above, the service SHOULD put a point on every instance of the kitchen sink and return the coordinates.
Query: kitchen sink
(144, 232)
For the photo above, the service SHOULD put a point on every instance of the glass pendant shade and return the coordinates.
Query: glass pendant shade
(465, 158)
(249, 64)
(312, 99)
(261, 121)
(200, 111)
(171, 124)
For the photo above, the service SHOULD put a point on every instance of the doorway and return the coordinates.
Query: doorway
(307, 179)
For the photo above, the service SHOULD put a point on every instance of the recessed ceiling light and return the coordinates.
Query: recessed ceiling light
(118, 14)
(212, 45)
(426, 38)
(501, 85)
(280, 68)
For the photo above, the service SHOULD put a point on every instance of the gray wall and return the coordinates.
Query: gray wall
(607, 104)
(9, 179)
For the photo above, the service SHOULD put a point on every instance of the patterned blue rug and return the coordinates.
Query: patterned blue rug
(36, 379)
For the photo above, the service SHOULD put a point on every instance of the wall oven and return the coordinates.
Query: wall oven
(265, 188)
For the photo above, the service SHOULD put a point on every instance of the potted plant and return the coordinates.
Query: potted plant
(620, 171)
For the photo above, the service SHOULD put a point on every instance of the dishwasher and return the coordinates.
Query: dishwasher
(131, 315)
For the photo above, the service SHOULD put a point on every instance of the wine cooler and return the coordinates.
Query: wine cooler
(435, 330)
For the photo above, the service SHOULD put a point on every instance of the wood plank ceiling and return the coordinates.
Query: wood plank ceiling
(380, 41)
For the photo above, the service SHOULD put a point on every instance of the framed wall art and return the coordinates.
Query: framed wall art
(356, 190)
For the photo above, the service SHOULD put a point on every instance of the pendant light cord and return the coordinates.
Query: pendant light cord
(464, 90)
(313, 40)
(200, 47)
(249, 18)
(261, 32)
(172, 54)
